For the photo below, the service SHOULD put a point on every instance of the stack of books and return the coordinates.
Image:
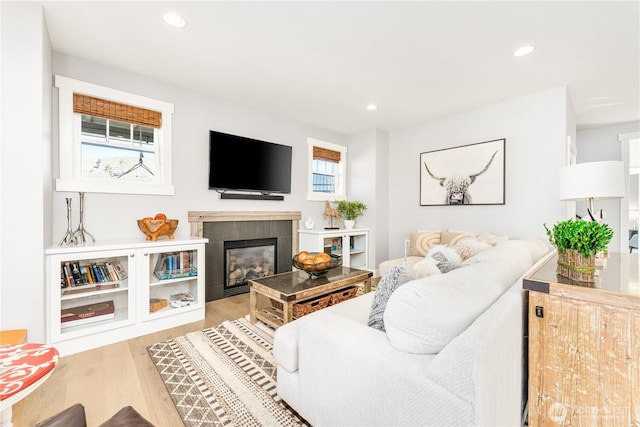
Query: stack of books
(182, 299)
(84, 314)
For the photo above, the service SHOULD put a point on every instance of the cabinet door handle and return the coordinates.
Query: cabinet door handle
(132, 255)
(146, 254)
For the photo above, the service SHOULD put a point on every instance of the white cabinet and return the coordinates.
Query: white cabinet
(352, 245)
(84, 280)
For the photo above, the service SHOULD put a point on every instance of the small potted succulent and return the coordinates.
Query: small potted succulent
(577, 242)
(350, 211)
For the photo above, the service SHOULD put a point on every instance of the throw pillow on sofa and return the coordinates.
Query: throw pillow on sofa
(447, 258)
(395, 277)
(470, 247)
(421, 241)
(427, 267)
(451, 238)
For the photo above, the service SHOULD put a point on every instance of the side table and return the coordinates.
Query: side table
(584, 345)
(23, 368)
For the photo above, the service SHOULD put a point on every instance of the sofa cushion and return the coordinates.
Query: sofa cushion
(421, 241)
(285, 348)
(395, 277)
(424, 315)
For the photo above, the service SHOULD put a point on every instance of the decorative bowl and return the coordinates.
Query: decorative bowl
(157, 227)
(316, 268)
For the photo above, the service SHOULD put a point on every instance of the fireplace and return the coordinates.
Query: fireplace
(225, 226)
(245, 260)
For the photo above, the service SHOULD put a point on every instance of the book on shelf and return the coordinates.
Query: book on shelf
(119, 269)
(182, 299)
(85, 314)
(76, 273)
(172, 265)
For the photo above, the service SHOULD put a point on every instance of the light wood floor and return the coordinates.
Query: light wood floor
(107, 378)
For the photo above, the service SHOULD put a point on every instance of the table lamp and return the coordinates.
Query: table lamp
(594, 180)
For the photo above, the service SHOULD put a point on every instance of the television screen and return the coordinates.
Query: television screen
(239, 163)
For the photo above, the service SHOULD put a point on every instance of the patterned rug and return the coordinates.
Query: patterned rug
(223, 376)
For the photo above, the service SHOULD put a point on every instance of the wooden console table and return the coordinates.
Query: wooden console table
(584, 345)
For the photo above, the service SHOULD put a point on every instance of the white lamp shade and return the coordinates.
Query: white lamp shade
(598, 180)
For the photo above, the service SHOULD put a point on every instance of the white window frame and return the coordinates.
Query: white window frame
(341, 172)
(70, 154)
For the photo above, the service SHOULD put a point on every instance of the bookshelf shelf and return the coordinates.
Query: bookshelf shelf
(351, 245)
(131, 286)
(72, 294)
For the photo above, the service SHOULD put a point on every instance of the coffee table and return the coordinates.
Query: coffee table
(295, 287)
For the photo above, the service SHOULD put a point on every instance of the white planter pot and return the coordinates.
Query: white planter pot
(349, 223)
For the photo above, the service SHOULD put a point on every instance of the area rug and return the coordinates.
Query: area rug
(223, 376)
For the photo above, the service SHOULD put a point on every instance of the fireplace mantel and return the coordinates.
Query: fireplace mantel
(197, 218)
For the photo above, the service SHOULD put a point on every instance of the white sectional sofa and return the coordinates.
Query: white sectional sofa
(451, 354)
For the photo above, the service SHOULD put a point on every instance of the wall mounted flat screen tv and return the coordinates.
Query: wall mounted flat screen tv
(245, 164)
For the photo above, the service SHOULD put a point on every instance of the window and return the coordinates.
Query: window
(327, 170)
(113, 141)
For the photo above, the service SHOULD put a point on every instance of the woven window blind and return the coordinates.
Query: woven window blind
(115, 111)
(326, 154)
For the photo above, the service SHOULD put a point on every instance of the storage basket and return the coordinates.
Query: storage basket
(309, 306)
(575, 266)
(342, 295)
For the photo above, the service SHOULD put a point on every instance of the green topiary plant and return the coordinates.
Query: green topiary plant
(351, 210)
(584, 237)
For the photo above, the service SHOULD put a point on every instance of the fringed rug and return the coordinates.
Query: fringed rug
(223, 376)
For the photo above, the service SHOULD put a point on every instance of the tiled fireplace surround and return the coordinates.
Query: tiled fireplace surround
(221, 226)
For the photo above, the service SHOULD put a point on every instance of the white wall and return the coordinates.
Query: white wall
(368, 182)
(600, 144)
(535, 128)
(110, 216)
(24, 166)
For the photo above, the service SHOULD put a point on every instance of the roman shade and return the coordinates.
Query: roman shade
(84, 104)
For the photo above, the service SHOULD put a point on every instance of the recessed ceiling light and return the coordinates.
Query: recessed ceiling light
(174, 19)
(372, 107)
(524, 50)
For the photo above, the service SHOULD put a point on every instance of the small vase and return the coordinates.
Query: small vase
(349, 223)
(575, 266)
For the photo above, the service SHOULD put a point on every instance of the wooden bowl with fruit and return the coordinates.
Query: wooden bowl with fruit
(157, 226)
(316, 264)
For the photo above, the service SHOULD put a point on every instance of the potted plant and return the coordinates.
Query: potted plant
(577, 242)
(350, 210)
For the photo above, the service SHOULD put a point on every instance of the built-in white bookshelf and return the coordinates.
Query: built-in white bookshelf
(352, 245)
(84, 281)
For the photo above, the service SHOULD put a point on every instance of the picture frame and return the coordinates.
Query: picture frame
(471, 174)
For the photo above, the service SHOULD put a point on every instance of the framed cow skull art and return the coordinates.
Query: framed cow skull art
(466, 175)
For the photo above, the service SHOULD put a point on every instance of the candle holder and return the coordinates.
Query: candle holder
(80, 232)
(69, 237)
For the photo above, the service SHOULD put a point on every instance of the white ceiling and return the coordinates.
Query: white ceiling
(322, 62)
